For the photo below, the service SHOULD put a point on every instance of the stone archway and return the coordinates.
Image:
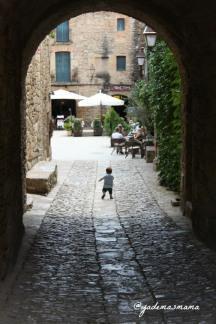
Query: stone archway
(24, 24)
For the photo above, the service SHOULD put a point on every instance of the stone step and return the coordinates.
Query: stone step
(41, 178)
(88, 132)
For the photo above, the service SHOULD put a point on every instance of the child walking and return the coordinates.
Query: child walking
(108, 183)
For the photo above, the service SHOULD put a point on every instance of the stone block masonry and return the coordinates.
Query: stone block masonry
(38, 106)
(41, 178)
(88, 114)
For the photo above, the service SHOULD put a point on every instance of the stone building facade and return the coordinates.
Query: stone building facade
(38, 106)
(101, 49)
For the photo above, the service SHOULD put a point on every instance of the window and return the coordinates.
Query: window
(121, 63)
(62, 32)
(120, 24)
(63, 67)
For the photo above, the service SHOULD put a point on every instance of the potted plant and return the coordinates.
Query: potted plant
(111, 121)
(68, 125)
(77, 127)
(97, 127)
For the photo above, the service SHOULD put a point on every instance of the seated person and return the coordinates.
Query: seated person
(121, 129)
(136, 126)
(116, 134)
(140, 134)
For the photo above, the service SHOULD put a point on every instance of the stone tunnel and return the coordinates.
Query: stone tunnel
(188, 27)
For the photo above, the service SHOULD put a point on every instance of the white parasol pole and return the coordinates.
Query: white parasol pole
(100, 107)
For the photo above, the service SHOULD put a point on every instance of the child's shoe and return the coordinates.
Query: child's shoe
(111, 197)
(103, 196)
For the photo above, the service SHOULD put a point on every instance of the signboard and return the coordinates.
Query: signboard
(119, 88)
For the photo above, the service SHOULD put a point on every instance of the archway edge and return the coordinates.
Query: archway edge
(188, 27)
(180, 24)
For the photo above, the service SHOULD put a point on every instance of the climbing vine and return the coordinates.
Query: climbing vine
(160, 96)
(140, 101)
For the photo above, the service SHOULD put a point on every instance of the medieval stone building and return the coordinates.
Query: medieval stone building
(91, 52)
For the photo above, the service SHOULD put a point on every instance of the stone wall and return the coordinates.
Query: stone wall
(94, 46)
(90, 113)
(22, 28)
(38, 106)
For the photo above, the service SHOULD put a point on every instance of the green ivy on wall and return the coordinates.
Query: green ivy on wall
(140, 101)
(160, 99)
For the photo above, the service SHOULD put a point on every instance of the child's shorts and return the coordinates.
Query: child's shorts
(104, 190)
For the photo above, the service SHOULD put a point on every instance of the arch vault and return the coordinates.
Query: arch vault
(189, 28)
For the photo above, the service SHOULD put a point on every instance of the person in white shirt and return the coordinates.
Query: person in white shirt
(108, 183)
(117, 134)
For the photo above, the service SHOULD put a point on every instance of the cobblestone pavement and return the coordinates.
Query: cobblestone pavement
(93, 259)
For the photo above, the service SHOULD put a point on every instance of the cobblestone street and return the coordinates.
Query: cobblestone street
(92, 260)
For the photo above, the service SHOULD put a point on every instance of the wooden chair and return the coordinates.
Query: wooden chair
(134, 147)
(117, 144)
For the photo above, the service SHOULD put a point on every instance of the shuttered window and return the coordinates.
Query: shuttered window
(62, 32)
(63, 67)
(121, 63)
(120, 24)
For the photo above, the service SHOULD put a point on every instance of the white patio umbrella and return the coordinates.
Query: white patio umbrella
(63, 94)
(100, 99)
